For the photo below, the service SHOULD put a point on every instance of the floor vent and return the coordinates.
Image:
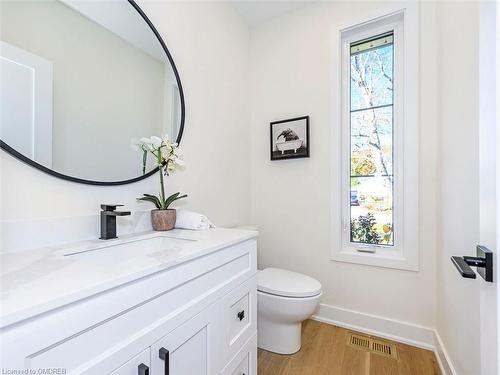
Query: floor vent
(359, 341)
(371, 345)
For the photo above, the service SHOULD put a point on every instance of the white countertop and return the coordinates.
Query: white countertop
(36, 281)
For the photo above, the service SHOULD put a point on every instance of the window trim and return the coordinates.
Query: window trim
(404, 254)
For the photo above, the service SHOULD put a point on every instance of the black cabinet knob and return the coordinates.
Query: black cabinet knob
(165, 356)
(241, 315)
(143, 369)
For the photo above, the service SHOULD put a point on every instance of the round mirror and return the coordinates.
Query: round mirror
(80, 80)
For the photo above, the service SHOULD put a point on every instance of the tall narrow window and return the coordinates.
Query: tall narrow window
(375, 190)
(371, 111)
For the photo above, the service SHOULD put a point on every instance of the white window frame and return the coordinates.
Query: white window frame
(404, 253)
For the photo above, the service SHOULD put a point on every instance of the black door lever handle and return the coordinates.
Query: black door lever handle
(483, 261)
(463, 267)
(475, 261)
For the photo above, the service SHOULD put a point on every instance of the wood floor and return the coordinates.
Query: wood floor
(325, 351)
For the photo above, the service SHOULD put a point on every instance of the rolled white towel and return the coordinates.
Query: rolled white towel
(192, 220)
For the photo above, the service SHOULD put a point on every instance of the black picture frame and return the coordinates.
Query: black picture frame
(299, 126)
(5, 147)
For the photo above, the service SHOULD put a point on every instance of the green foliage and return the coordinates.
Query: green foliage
(159, 203)
(363, 229)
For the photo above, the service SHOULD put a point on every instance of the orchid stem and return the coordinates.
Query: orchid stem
(162, 188)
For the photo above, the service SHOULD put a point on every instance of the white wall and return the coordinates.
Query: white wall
(457, 298)
(292, 62)
(209, 44)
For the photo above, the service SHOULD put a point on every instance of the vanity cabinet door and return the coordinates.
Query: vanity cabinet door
(187, 350)
(139, 365)
(245, 361)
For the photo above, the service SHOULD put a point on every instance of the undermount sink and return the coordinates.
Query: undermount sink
(144, 245)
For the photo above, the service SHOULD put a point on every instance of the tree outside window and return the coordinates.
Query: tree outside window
(371, 141)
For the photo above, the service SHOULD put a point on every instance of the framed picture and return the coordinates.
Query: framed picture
(290, 138)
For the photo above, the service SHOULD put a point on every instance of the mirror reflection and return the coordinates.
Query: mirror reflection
(79, 81)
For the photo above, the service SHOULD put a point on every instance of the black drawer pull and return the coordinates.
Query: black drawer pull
(165, 356)
(143, 369)
(241, 315)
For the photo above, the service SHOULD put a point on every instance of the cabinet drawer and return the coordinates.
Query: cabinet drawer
(240, 315)
(243, 367)
(245, 360)
(139, 365)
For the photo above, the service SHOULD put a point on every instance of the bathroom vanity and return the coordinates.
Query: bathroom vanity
(178, 303)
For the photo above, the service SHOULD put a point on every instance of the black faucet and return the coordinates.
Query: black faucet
(108, 220)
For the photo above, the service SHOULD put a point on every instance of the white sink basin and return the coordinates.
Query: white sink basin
(125, 247)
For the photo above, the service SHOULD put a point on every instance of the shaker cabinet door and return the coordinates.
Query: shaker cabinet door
(187, 350)
(139, 365)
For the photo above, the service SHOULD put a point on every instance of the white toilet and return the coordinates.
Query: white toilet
(284, 300)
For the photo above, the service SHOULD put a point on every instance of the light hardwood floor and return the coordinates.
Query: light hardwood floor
(325, 351)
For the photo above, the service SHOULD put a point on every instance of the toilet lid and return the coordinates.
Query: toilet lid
(287, 283)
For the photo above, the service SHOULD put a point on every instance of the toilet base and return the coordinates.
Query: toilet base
(280, 338)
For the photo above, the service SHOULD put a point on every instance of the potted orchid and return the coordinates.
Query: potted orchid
(167, 157)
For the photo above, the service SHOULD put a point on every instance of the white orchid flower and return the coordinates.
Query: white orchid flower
(156, 141)
(146, 144)
(174, 161)
(168, 147)
(166, 151)
(168, 157)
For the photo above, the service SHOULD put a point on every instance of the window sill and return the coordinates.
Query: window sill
(396, 260)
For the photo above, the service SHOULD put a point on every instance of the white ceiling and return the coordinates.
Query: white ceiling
(121, 19)
(255, 13)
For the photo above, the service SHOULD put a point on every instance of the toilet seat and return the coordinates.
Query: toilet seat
(287, 283)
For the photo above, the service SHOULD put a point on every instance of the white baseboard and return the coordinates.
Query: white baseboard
(442, 356)
(407, 333)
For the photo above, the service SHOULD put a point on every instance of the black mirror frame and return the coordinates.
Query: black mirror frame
(4, 146)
